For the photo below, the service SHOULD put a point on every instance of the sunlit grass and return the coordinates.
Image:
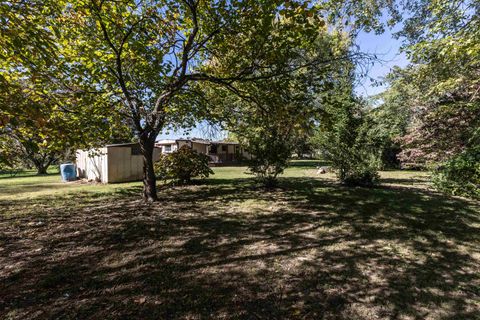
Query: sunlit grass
(31, 186)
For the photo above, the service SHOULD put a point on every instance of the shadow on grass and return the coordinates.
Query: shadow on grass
(308, 164)
(407, 182)
(27, 174)
(309, 250)
(30, 187)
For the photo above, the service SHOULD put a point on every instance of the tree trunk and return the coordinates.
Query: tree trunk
(149, 180)
(41, 169)
(41, 162)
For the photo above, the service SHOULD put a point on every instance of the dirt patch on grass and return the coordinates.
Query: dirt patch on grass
(311, 250)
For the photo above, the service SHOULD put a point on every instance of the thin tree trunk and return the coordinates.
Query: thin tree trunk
(149, 180)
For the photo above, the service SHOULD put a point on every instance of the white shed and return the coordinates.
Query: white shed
(112, 163)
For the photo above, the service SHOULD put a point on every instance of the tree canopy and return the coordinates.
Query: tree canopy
(153, 56)
(438, 93)
(79, 73)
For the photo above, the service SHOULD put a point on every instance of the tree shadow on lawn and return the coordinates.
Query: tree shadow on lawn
(20, 189)
(310, 250)
(308, 164)
(27, 174)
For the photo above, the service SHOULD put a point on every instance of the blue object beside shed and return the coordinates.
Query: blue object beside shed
(68, 172)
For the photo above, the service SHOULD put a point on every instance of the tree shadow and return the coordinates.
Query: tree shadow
(20, 175)
(308, 164)
(309, 250)
(30, 187)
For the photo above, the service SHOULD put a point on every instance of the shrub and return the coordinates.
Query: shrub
(11, 171)
(348, 148)
(182, 165)
(361, 175)
(460, 175)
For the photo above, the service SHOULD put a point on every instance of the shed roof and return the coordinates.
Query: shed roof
(127, 144)
(121, 144)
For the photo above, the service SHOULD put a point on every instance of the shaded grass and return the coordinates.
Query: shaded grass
(52, 170)
(310, 249)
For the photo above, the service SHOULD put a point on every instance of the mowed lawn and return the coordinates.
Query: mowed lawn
(229, 249)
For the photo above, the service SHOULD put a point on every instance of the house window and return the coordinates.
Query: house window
(225, 148)
(212, 149)
(136, 151)
(168, 148)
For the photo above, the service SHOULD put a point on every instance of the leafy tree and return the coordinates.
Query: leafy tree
(270, 151)
(152, 55)
(40, 122)
(460, 175)
(342, 139)
(27, 35)
(182, 165)
(30, 151)
(27, 45)
(269, 118)
(9, 160)
(43, 112)
(440, 132)
(390, 115)
(442, 39)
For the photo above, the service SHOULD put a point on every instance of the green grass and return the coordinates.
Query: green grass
(227, 248)
(47, 186)
(28, 173)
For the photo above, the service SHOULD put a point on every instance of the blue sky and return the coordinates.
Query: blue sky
(385, 46)
(387, 49)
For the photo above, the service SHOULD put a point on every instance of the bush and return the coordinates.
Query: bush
(363, 175)
(460, 175)
(11, 171)
(270, 154)
(348, 148)
(355, 163)
(182, 165)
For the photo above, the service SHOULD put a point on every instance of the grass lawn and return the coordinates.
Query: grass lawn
(310, 249)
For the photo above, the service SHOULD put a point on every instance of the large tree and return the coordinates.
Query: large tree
(271, 117)
(442, 40)
(40, 123)
(43, 113)
(151, 55)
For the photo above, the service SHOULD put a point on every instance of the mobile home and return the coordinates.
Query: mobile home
(219, 152)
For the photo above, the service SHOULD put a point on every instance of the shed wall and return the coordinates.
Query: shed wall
(123, 166)
(111, 164)
(92, 164)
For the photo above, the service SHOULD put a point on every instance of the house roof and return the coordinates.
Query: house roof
(202, 141)
(121, 144)
(225, 142)
(195, 140)
(166, 141)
